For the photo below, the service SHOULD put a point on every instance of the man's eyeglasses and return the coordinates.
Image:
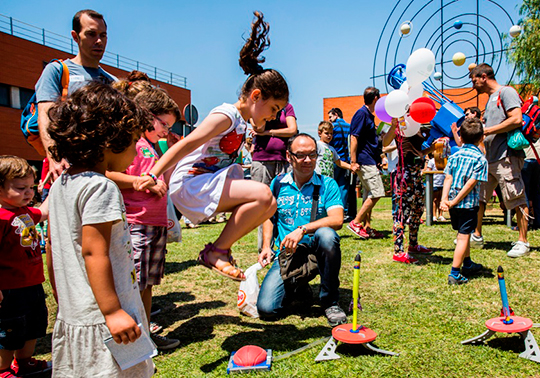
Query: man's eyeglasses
(163, 123)
(312, 156)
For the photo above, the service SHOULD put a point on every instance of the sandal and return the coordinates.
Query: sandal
(230, 271)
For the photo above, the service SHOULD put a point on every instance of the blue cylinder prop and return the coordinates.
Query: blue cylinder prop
(504, 296)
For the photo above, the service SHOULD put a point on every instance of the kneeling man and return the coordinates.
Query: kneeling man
(295, 226)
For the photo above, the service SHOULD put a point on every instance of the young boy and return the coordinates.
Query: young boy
(327, 154)
(463, 171)
(23, 313)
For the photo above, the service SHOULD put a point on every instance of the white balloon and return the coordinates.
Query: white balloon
(404, 87)
(411, 127)
(420, 66)
(415, 92)
(397, 103)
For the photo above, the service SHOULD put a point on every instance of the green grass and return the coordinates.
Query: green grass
(413, 310)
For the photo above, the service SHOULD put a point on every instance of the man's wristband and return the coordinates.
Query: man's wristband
(151, 175)
(304, 229)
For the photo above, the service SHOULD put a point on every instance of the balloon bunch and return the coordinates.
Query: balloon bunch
(407, 101)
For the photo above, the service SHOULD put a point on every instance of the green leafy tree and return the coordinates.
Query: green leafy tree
(524, 50)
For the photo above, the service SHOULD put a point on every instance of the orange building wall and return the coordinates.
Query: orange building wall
(350, 104)
(21, 65)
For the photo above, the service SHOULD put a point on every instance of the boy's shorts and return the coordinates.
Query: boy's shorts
(23, 316)
(149, 247)
(464, 221)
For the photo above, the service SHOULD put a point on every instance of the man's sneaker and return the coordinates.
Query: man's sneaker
(374, 234)
(477, 241)
(154, 327)
(420, 249)
(472, 269)
(358, 230)
(335, 315)
(519, 249)
(164, 343)
(154, 310)
(459, 280)
(404, 258)
(30, 368)
(8, 374)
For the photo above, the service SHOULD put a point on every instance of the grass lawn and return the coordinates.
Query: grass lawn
(412, 308)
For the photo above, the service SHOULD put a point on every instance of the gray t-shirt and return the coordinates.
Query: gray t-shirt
(49, 85)
(496, 146)
(325, 161)
(75, 201)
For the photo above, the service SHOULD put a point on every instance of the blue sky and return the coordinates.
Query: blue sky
(323, 48)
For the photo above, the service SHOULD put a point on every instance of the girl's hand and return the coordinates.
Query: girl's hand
(143, 182)
(172, 138)
(160, 189)
(122, 326)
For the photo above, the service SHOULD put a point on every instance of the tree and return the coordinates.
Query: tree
(524, 50)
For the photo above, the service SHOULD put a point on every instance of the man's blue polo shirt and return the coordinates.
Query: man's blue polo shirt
(294, 205)
(363, 128)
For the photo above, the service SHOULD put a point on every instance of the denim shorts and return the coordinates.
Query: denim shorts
(464, 221)
(23, 316)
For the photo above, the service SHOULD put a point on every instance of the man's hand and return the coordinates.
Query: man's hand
(265, 257)
(355, 167)
(160, 189)
(122, 326)
(56, 168)
(290, 242)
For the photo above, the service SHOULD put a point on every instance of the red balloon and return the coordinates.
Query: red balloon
(249, 355)
(422, 110)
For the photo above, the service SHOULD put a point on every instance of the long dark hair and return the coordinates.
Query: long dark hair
(269, 81)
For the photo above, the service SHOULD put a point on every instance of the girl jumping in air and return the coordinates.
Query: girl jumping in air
(206, 180)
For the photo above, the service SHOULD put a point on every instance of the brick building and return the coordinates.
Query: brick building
(20, 67)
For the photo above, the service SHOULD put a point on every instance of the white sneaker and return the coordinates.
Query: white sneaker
(434, 218)
(519, 249)
(442, 219)
(477, 241)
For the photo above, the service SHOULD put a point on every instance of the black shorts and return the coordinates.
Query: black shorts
(23, 316)
(464, 221)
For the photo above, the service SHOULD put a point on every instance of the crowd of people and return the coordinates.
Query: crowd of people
(107, 205)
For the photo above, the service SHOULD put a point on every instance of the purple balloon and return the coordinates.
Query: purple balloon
(380, 110)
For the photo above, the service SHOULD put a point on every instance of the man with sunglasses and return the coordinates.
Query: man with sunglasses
(300, 232)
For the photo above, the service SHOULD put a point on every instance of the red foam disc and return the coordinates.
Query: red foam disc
(519, 325)
(249, 355)
(343, 333)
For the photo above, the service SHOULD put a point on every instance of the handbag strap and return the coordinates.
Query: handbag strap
(314, 202)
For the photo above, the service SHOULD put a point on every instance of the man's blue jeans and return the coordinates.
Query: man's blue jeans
(324, 244)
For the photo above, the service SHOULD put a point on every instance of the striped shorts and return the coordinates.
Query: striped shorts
(149, 249)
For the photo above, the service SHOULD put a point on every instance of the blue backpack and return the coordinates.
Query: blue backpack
(29, 116)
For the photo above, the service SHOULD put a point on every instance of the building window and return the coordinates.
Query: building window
(25, 95)
(4, 95)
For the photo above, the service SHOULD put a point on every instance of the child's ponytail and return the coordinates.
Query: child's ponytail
(270, 82)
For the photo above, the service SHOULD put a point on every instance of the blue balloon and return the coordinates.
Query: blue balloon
(458, 24)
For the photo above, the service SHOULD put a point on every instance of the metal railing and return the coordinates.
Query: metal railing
(20, 29)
